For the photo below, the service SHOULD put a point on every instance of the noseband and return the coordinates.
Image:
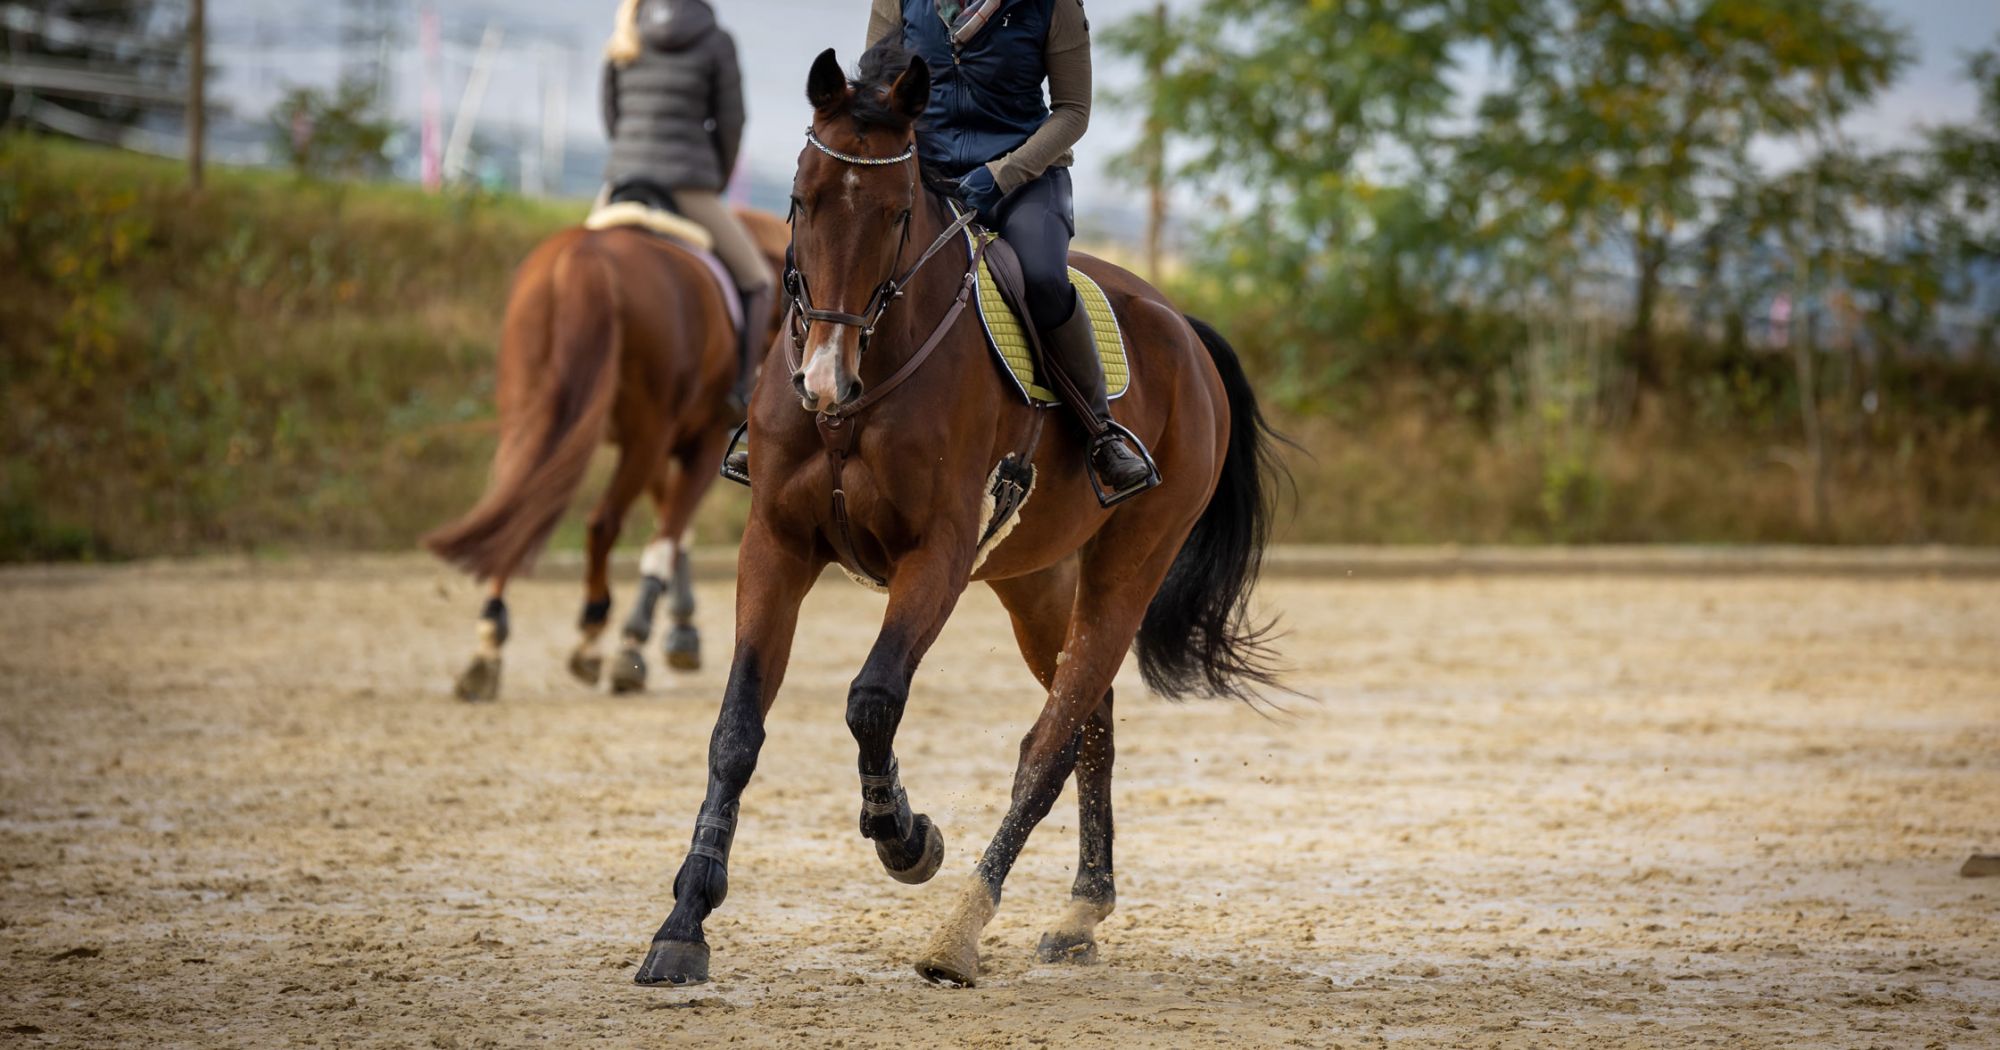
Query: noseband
(891, 289)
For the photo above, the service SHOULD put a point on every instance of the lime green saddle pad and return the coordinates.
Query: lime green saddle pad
(1010, 343)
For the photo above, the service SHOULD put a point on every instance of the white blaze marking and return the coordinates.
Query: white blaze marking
(822, 378)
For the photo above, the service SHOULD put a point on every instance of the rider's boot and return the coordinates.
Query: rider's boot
(1120, 471)
(749, 336)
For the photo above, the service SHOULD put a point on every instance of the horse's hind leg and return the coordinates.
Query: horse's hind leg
(480, 680)
(1073, 939)
(1040, 607)
(1112, 596)
(638, 457)
(694, 475)
(665, 569)
(656, 572)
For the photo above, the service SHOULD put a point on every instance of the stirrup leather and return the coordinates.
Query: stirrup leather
(1116, 431)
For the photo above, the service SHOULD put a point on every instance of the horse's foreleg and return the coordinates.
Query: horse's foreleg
(481, 678)
(773, 580)
(925, 587)
(656, 578)
(638, 456)
(1109, 607)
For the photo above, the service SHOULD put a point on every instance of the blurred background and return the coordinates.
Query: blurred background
(1510, 271)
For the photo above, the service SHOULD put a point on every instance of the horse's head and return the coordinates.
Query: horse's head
(853, 200)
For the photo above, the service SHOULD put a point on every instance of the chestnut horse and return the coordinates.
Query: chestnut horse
(924, 416)
(614, 335)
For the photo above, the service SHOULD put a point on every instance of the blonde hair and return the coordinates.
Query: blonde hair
(623, 47)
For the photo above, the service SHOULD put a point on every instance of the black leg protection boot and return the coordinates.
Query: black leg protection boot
(756, 313)
(1121, 470)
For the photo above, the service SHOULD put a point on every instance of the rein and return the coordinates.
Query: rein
(837, 426)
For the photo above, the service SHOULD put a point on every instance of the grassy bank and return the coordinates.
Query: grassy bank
(273, 365)
(264, 365)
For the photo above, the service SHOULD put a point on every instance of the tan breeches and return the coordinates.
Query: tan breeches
(733, 244)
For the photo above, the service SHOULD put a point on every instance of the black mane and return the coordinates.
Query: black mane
(869, 104)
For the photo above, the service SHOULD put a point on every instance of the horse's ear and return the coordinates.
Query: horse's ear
(826, 85)
(912, 91)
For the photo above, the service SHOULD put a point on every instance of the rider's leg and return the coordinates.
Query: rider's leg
(1038, 224)
(754, 282)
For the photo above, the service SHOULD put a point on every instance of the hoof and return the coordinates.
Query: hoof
(628, 671)
(480, 681)
(675, 964)
(587, 667)
(928, 861)
(957, 968)
(952, 956)
(1076, 947)
(684, 649)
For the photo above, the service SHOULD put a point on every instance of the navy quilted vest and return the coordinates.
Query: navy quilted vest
(987, 98)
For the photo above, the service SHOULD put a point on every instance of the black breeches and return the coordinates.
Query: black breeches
(1038, 221)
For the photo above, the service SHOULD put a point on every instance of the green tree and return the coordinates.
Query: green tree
(331, 134)
(1315, 130)
(1964, 162)
(1628, 124)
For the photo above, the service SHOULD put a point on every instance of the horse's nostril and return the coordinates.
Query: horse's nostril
(853, 392)
(799, 382)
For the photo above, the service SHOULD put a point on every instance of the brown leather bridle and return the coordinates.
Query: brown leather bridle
(891, 288)
(837, 425)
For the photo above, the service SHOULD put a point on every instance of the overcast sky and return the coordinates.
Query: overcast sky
(269, 42)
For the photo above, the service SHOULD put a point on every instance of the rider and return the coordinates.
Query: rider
(673, 108)
(988, 126)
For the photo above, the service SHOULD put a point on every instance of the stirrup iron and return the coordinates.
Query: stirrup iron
(1107, 500)
(736, 440)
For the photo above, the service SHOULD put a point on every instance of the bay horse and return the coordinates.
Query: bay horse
(1171, 569)
(613, 335)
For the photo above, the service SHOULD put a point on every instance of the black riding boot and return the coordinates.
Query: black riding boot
(1121, 472)
(756, 312)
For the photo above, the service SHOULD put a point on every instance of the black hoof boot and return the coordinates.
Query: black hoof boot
(684, 648)
(628, 670)
(925, 845)
(675, 964)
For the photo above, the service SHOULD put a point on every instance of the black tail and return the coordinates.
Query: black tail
(1197, 639)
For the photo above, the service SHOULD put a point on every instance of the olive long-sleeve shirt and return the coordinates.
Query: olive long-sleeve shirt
(1067, 55)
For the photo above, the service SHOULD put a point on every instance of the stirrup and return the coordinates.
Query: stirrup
(1107, 500)
(736, 440)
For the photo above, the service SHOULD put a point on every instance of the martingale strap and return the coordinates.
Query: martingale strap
(837, 427)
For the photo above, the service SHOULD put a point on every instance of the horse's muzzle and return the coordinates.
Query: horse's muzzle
(846, 389)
